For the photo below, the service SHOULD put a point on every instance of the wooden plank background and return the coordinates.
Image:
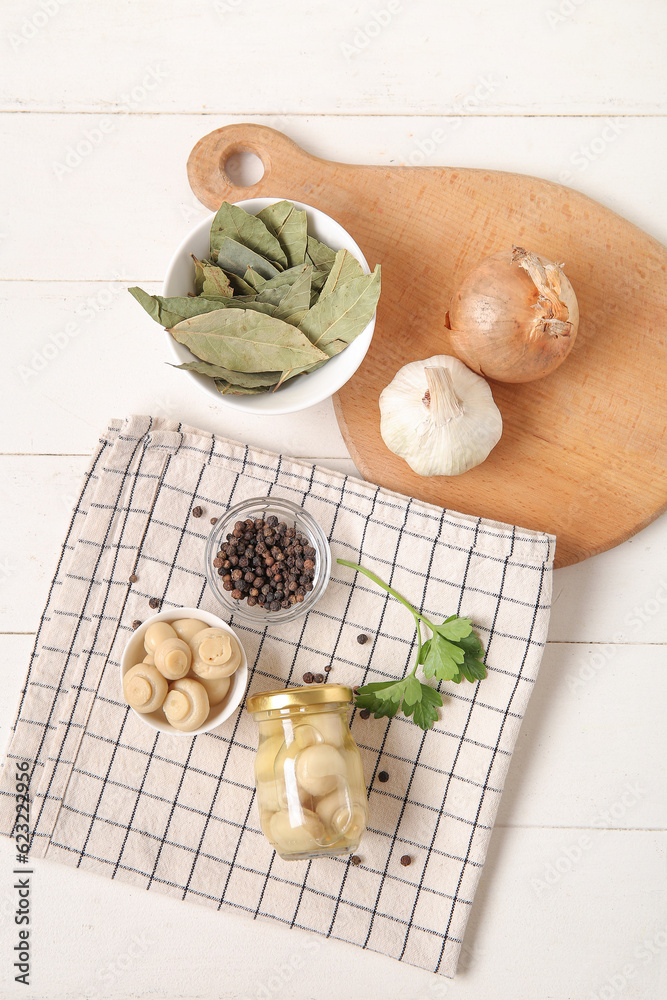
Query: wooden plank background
(100, 105)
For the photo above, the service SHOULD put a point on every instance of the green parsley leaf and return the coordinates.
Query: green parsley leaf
(413, 692)
(453, 653)
(383, 699)
(425, 713)
(443, 658)
(455, 628)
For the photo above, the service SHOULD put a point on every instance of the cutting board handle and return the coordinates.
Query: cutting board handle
(284, 163)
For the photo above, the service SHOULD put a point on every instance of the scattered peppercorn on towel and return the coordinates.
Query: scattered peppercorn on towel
(178, 815)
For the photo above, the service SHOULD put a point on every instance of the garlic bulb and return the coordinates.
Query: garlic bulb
(439, 416)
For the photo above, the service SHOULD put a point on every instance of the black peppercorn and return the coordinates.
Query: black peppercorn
(197, 511)
(406, 860)
(364, 713)
(266, 556)
(133, 578)
(136, 623)
(355, 860)
(154, 602)
(361, 639)
(308, 678)
(383, 776)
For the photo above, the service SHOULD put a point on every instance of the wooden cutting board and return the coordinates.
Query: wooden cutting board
(583, 450)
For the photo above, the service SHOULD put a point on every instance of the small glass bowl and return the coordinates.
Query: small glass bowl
(293, 516)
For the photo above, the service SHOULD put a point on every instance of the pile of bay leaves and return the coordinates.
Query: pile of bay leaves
(271, 303)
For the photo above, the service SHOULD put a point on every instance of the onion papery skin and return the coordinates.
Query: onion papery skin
(500, 323)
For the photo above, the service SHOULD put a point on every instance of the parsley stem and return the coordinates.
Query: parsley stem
(417, 615)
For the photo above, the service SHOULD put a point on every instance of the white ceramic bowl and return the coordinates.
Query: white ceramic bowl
(304, 390)
(134, 653)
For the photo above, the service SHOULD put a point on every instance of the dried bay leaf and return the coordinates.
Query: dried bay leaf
(294, 305)
(232, 222)
(254, 279)
(249, 380)
(290, 227)
(226, 388)
(250, 302)
(172, 310)
(344, 268)
(287, 277)
(246, 341)
(237, 258)
(273, 295)
(210, 279)
(335, 347)
(344, 313)
(239, 285)
(320, 254)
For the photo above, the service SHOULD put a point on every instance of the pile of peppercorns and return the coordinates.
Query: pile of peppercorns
(266, 563)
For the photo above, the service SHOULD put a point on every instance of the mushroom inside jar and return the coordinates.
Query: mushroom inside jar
(310, 784)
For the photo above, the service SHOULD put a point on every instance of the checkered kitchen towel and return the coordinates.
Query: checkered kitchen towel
(179, 815)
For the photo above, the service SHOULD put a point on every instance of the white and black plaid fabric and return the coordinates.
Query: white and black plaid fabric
(178, 815)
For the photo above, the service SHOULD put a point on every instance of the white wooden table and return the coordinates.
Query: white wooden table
(100, 106)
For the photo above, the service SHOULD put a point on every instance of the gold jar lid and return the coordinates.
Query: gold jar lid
(314, 694)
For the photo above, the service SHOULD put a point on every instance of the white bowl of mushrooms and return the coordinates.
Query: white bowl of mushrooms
(184, 672)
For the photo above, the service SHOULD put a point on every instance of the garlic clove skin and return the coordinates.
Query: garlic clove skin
(439, 416)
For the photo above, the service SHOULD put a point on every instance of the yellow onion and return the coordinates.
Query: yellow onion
(514, 317)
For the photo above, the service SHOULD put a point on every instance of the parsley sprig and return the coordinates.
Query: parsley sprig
(453, 653)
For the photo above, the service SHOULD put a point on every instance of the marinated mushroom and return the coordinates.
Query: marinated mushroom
(293, 839)
(330, 726)
(157, 633)
(265, 759)
(319, 769)
(215, 688)
(144, 688)
(186, 628)
(306, 736)
(173, 658)
(339, 814)
(186, 705)
(215, 653)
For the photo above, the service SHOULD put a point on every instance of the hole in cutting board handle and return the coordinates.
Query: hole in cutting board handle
(287, 167)
(243, 168)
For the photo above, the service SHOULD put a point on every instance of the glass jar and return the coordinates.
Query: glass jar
(295, 517)
(311, 792)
